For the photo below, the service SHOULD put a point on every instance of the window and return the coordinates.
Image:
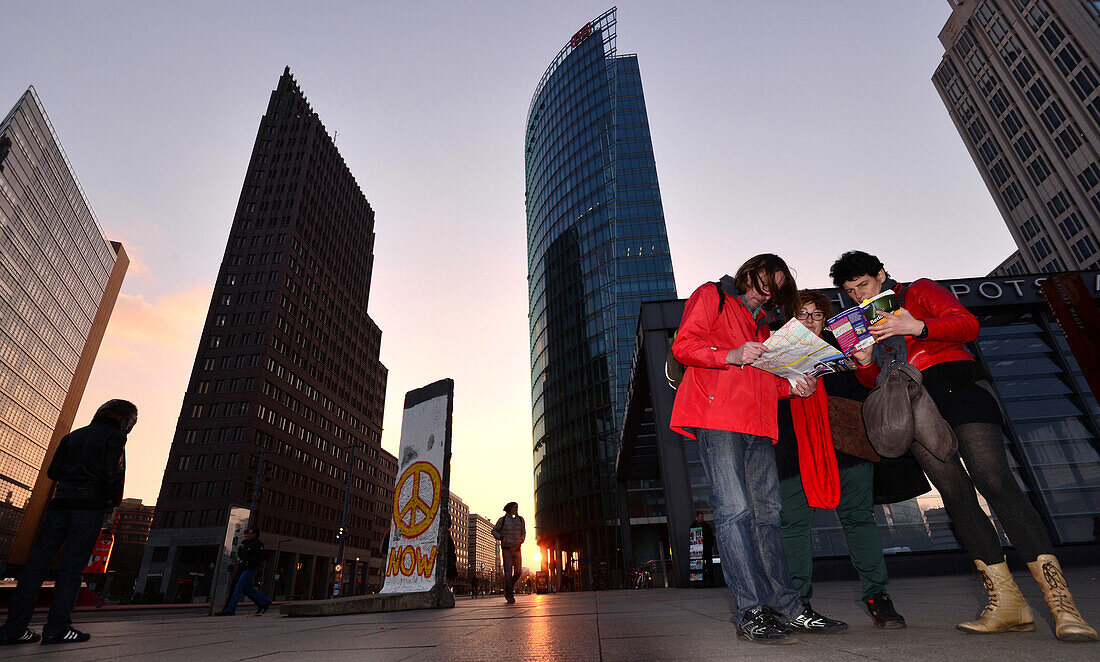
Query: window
(1024, 146)
(1029, 228)
(1053, 116)
(231, 279)
(1058, 204)
(225, 300)
(1084, 83)
(1039, 169)
(215, 342)
(1071, 225)
(1090, 176)
(1038, 93)
(1068, 140)
(219, 320)
(1083, 249)
(1068, 59)
(1041, 249)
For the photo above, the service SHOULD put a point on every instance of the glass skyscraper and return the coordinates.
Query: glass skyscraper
(597, 249)
(59, 279)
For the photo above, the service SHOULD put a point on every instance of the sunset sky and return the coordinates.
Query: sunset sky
(802, 128)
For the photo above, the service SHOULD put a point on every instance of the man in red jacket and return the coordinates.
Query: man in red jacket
(731, 409)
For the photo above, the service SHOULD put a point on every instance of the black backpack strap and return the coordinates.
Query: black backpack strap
(721, 296)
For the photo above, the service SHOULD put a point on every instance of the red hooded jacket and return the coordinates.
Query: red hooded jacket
(949, 323)
(714, 395)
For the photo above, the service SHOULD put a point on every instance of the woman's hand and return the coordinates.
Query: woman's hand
(804, 387)
(899, 323)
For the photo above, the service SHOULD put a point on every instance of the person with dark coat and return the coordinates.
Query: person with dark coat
(511, 531)
(250, 556)
(708, 548)
(929, 331)
(838, 424)
(89, 468)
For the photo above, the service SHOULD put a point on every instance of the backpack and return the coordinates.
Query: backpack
(674, 370)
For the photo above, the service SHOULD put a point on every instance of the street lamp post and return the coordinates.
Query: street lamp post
(344, 520)
(277, 574)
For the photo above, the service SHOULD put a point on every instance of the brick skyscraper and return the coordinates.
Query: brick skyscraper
(287, 374)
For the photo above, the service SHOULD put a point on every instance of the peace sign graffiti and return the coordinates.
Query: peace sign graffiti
(415, 516)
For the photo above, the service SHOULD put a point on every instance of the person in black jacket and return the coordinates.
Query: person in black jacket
(250, 556)
(88, 468)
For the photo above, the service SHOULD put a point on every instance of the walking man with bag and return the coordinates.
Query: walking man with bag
(511, 532)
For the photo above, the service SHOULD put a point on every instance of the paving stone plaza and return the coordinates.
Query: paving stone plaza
(610, 626)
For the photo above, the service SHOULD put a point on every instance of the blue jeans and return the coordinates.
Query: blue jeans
(76, 531)
(744, 492)
(245, 586)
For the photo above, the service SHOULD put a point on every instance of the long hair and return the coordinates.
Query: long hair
(758, 272)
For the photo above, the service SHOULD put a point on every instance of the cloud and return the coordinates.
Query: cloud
(146, 357)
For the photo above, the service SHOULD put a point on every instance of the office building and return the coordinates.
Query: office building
(1021, 81)
(484, 554)
(460, 537)
(59, 279)
(1041, 377)
(596, 248)
(286, 385)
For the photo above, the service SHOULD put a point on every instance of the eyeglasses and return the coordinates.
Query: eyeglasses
(817, 315)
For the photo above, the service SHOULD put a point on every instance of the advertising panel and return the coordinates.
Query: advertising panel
(420, 523)
(227, 557)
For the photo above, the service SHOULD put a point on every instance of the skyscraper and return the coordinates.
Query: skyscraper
(1021, 82)
(287, 383)
(596, 249)
(59, 279)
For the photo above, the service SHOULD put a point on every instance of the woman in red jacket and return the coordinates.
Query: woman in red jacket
(934, 326)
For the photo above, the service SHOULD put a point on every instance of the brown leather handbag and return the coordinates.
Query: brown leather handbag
(849, 435)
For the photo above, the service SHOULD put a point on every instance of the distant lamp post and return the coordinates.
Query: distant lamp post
(275, 580)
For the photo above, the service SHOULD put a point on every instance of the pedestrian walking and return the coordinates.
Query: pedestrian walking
(89, 469)
(250, 556)
(511, 532)
(731, 409)
(929, 331)
(809, 431)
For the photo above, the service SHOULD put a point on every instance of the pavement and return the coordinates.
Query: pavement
(649, 624)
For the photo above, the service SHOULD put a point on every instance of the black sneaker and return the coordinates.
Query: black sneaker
(262, 609)
(760, 627)
(780, 618)
(882, 611)
(225, 613)
(811, 621)
(69, 635)
(28, 637)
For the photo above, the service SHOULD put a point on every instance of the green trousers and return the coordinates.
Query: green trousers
(857, 516)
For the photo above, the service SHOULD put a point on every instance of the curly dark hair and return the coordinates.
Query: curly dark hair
(759, 272)
(852, 265)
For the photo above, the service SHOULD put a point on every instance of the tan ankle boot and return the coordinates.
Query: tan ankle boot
(1068, 624)
(1007, 610)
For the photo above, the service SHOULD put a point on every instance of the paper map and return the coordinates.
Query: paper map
(794, 351)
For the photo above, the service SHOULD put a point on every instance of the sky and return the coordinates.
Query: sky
(804, 128)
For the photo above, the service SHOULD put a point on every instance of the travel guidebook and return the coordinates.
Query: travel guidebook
(794, 351)
(852, 328)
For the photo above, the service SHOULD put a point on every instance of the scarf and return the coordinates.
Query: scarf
(816, 454)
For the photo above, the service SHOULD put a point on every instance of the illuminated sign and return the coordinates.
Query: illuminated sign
(582, 34)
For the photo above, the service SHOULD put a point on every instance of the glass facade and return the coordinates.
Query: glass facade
(55, 264)
(597, 248)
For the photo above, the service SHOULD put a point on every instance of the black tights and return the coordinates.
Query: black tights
(981, 446)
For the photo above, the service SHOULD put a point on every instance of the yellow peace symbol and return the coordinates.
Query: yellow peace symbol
(416, 515)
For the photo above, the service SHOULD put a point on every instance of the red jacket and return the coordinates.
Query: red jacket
(949, 323)
(712, 394)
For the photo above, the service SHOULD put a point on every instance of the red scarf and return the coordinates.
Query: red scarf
(816, 455)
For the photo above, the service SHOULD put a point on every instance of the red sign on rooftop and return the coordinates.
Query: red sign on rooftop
(581, 35)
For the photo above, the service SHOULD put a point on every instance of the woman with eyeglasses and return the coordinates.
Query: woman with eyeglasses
(811, 469)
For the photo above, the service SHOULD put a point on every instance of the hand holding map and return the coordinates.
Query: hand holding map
(794, 351)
